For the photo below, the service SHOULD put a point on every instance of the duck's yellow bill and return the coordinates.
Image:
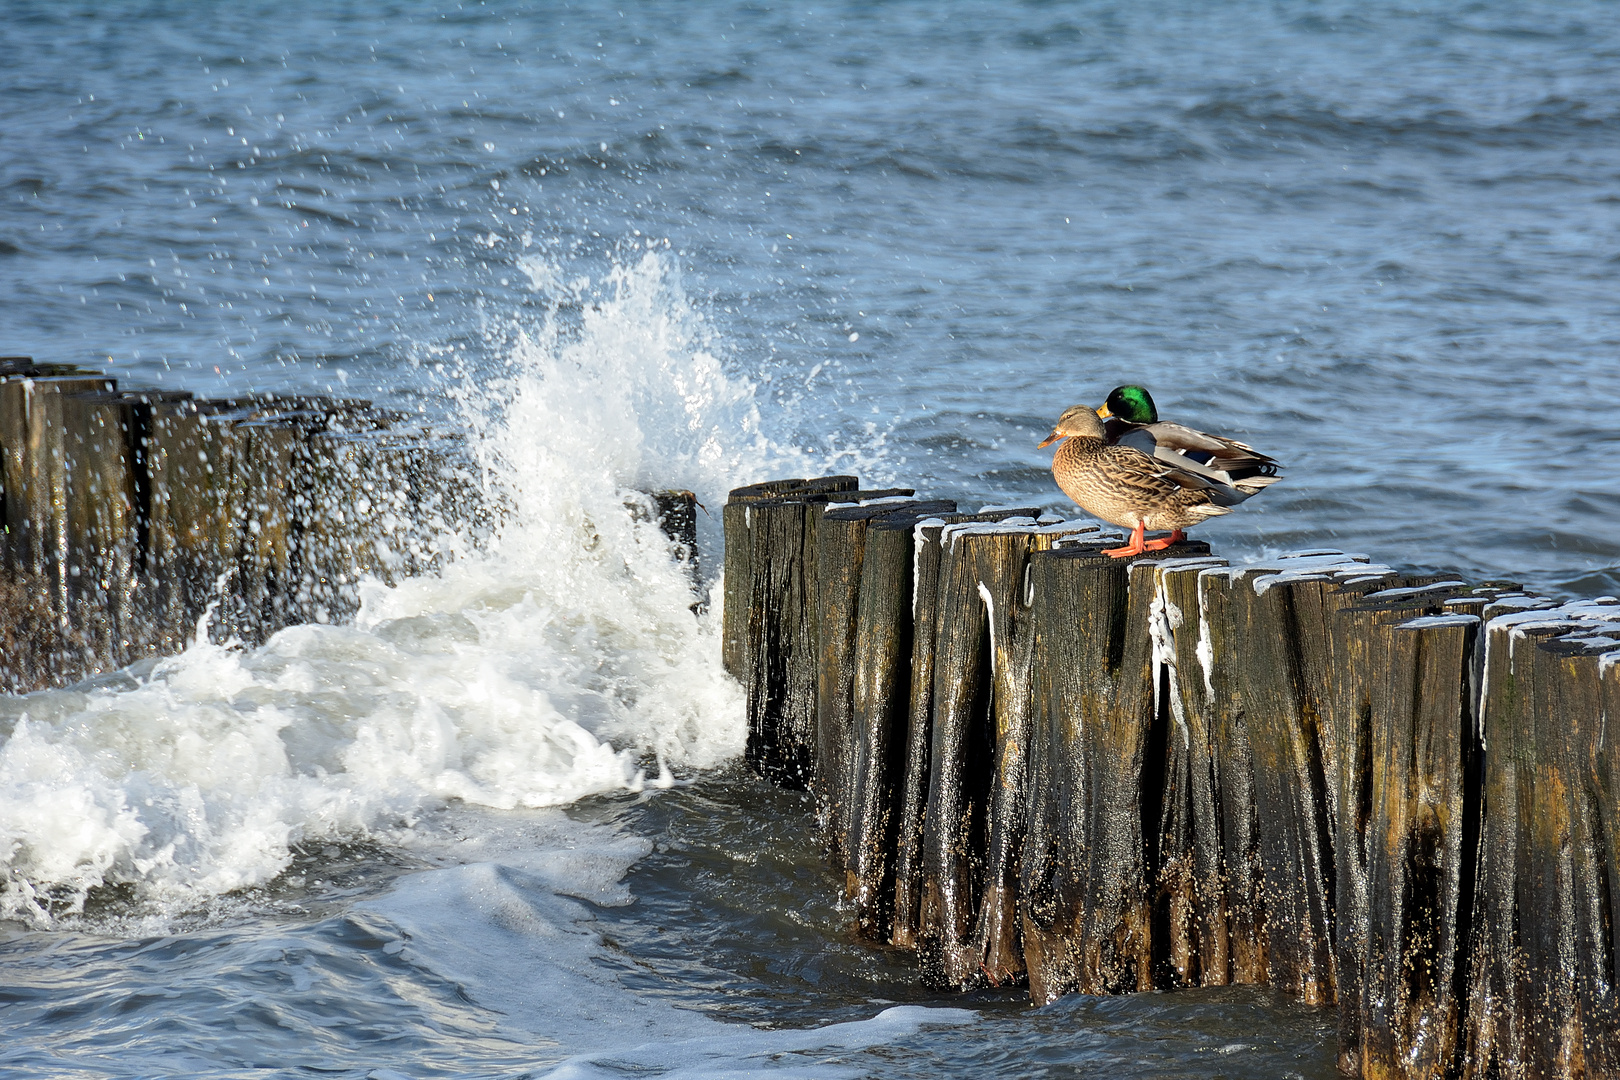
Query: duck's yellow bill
(1049, 440)
(1103, 411)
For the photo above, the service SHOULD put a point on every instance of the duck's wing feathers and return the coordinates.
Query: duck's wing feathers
(1237, 468)
(1141, 480)
(1149, 476)
(1200, 445)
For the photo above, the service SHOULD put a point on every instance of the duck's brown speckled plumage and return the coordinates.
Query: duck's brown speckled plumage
(1122, 485)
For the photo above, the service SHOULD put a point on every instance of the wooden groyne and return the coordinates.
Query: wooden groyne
(1033, 763)
(130, 515)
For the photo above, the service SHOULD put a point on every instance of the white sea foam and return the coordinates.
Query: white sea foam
(737, 1051)
(560, 658)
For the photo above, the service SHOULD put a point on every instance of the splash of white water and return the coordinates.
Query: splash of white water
(559, 658)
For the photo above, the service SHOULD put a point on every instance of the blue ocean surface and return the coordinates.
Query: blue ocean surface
(497, 827)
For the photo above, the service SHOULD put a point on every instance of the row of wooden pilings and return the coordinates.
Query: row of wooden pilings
(127, 514)
(130, 515)
(1389, 794)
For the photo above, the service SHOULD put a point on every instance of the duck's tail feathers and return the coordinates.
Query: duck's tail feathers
(1251, 485)
(1209, 510)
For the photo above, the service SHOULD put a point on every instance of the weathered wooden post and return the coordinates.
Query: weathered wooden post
(1422, 764)
(275, 474)
(1358, 633)
(780, 654)
(198, 489)
(1189, 909)
(35, 478)
(1289, 728)
(973, 827)
(840, 553)
(780, 673)
(1087, 903)
(882, 690)
(107, 495)
(1543, 969)
(39, 642)
(737, 520)
(1285, 685)
(126, 513)
(1589, 697)
(360, 516)
(1365, 602)
(919, 727)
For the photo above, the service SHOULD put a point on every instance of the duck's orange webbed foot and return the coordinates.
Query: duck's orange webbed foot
(1135, 547)
(1176, 537)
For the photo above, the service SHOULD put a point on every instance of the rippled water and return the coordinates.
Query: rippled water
(693, 246)
(510, 948)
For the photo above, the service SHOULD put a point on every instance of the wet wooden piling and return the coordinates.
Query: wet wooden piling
(196, 502)
(882, 674)
(1189, 910)
(738, 523)
(32, 433)
(912, 785)
(1422, 757)
(842, 643)
(973, 823)
(1088, 870)
(1543, 964)
(779, 647)
(1391, 795)
(134, 520)
(129, 515)
(107, 492)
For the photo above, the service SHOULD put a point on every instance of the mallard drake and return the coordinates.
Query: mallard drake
(1130, 419)
(1167, 488)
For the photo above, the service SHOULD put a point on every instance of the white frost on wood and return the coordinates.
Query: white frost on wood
(1538, 613)
(919, 540)
(1163, 619)
(1206, 647)
(1306, 566)
(1413, 590)
(1012, 525)
(1431, 622)
(990, 617)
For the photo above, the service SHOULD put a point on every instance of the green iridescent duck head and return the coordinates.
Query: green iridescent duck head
(1131, 404)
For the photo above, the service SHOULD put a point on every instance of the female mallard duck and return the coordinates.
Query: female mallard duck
(1130, 419)
(1168, 488)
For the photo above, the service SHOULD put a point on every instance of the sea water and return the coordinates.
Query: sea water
(496, 826)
